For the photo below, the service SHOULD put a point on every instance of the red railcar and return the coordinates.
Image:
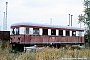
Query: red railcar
(43, 34)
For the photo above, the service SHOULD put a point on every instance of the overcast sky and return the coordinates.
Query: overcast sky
(40, 11)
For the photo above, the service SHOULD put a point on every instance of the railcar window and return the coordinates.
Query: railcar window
(13, 32)
(67, 33)
(35, 30)
(45, 31)
(73, 33)
(61, 32)
(53, 32)
(27, 30)
(17, 31)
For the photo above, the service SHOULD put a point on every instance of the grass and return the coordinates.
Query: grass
(46, 53)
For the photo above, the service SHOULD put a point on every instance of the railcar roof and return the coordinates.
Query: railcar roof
(46, 25)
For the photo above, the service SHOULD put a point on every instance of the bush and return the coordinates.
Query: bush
(75, 47)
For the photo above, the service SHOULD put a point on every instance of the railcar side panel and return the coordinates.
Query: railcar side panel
(29, 39)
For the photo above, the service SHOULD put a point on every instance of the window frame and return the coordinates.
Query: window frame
(17, 31)
(67, 33)
(27, 30)
(44, 30)
(59, 33)
(36, 32)
(53, 30)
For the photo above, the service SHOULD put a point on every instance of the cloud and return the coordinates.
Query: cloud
(39, 7)
(42, 10)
